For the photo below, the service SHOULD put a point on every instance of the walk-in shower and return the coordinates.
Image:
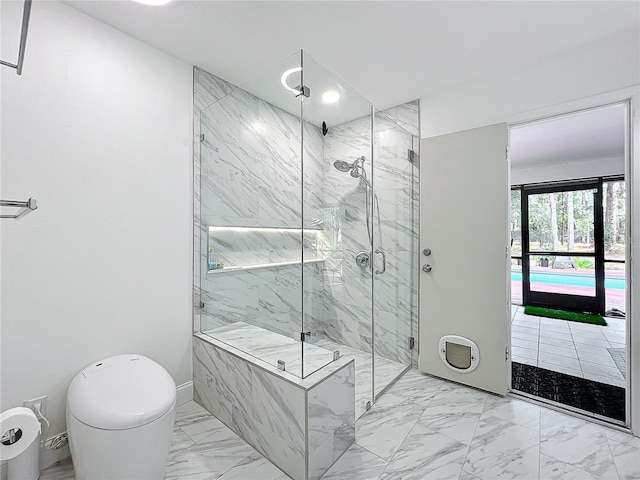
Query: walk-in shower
(279, 224)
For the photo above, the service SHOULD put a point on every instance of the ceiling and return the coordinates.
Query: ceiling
(390, 52)
(591, 134)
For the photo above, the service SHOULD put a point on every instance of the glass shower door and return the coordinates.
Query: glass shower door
(337, 193)
(395, 242)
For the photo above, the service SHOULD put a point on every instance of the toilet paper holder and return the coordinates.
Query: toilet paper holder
(11, 436)
(20, 432)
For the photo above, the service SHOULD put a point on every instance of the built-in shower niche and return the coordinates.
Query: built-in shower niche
(233, 248)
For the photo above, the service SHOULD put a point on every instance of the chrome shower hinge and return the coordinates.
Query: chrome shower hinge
(304, 90)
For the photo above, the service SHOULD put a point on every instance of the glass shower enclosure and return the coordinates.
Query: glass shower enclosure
(307, 226)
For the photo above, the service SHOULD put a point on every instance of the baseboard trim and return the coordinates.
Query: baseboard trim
(184, 393)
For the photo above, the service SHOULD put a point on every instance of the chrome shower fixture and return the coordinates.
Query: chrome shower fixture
(342, 166)
(355, 167)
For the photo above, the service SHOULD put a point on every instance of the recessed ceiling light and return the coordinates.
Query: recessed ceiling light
(330, 96)
(155, 3)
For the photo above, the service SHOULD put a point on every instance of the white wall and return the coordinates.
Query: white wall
(98, 130)
(607, 65)
(594, 167)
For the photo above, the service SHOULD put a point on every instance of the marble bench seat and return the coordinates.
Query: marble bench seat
(270, 347)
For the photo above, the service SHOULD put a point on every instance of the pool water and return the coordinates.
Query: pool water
(576, 280)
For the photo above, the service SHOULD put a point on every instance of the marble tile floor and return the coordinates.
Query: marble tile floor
(422, 428)
(573, 348)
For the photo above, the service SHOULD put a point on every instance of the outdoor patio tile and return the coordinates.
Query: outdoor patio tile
(525, 337)
(605, 361)
(615, 336)
(560, 369)
(583, 348)
(527, 326)
(553, 321)
(555, 334)
(554, 328)
(616, 382)
(619, 324)
(557, 342)
(525, 329)
(584, 327)
(559, 360)
(601, 370)
(593, 342)
(529, 319)
(588, 333)
(562, 351)
(516, 342)
(526, 319)
(524, 352)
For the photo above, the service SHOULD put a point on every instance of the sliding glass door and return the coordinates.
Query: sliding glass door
(563, 246)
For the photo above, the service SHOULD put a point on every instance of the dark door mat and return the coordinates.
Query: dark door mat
(587, 395)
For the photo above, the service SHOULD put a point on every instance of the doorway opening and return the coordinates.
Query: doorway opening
(569, 227)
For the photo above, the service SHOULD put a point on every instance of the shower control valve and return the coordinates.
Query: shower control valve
(362, 259)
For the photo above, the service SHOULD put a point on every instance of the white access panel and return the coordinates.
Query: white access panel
(464, 212)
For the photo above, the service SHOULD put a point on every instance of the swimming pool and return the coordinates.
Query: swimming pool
(575, 280)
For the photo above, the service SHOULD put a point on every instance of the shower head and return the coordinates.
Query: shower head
(354, 167)
(343, 166)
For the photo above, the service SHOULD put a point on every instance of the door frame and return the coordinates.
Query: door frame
(631, 97)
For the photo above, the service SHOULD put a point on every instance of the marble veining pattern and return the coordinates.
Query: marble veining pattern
(272, 347)
(545, 445)
(386, 372)
(300, 427)
(246, 142)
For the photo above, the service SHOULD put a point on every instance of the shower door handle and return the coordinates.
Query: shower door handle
(384, 261)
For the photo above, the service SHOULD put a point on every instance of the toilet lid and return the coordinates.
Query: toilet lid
(121, 392)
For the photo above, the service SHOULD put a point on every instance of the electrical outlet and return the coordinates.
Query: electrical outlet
(40, 401)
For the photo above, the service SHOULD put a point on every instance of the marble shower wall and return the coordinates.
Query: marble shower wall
(301, 425)
(348, 288)
(247, 173)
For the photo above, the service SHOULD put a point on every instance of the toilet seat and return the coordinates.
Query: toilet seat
(121, 392)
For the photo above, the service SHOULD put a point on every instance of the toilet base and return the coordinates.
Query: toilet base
(136, 453)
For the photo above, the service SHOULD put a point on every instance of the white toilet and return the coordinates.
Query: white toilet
(120, 414)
